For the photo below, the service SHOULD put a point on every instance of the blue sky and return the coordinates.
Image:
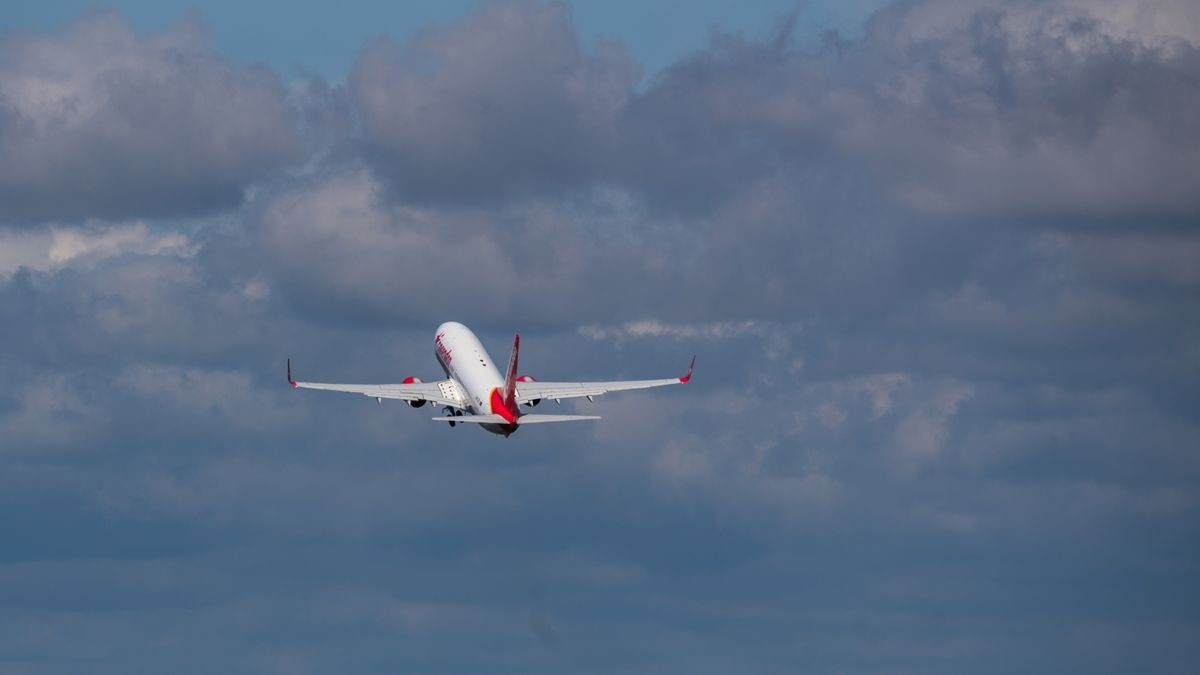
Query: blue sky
(940, 275)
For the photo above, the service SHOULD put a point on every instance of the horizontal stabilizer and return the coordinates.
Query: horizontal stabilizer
(523, 419)
(477, 419)
(541, 419)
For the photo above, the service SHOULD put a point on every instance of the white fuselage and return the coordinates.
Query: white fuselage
(475, 391)
(466, 362)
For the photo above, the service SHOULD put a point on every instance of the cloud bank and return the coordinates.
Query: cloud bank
(98, 122)
(940, 277)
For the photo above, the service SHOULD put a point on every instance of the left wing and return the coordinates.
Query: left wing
(533, 390)
(442, 392)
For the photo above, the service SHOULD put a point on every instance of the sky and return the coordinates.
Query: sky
(310, 40)
(938, 260)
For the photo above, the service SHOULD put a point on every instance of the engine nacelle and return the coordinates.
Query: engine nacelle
(414, 380)
(529, 378)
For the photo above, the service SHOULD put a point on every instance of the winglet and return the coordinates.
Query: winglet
(290, 380)
(685, 378)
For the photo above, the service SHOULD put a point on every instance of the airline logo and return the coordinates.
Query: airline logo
(441, 349)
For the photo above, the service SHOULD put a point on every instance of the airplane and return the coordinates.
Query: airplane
(474, 391)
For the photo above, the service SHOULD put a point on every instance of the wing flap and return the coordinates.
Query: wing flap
(535, 389)
(427, 391)
(528, 391)
(442, 392)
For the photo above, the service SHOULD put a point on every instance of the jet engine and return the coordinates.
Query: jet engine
(529, 378)
(414, 380)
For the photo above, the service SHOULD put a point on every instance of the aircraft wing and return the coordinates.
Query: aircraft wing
(532, 390)
(442, 392)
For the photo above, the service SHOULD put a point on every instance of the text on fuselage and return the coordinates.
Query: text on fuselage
(441, 349)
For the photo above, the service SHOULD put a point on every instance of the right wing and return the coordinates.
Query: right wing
(534, 389)
(442, 392)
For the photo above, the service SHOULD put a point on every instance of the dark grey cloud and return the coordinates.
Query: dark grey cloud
(955, 109)
(339, 245)
(97, 121)
(753, 179)
(503, 101)
(1026, 108)
(135, 305)
(943, 418)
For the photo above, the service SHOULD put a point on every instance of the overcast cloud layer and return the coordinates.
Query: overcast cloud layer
(99, 122)
(943, 280)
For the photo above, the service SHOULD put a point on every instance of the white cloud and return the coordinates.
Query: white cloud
(24, 249)
(57, 247)
(879, 388)
(921, 436)
(719, 330)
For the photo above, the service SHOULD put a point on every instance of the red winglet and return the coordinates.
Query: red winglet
(290, 380)
(685, 378)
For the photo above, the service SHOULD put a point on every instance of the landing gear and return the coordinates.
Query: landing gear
(451, 412)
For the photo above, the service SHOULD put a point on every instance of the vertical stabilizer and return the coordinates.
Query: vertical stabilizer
(510, 377)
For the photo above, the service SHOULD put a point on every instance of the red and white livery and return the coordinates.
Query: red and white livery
(475, 391)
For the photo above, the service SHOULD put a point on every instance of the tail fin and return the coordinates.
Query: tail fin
(510, 379)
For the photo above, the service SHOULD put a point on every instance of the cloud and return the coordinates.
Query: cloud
(125, 293)
(98, 122)
(339, 244)
(650, 328)
(504, 101)
(947, 353)
(58, 247)
(49, 412)
(921, 436)
(888, 173)
(227, 398)
(1067, 113)
(343, 248)
(944, 109)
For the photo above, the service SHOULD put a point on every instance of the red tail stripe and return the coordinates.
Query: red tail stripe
(500, 407)
(510, 379)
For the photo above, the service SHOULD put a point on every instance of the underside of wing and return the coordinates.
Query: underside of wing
(441, 392)
(534, 390)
